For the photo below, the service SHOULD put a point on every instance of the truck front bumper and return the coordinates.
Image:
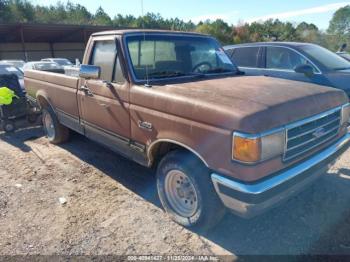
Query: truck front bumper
(250, 199)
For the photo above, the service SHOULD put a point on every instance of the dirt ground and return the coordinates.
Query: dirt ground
(112, 208)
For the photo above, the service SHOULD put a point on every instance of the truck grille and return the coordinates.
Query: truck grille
(308, 134)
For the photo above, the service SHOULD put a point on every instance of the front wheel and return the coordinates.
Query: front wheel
(55, 132)
(186, 191)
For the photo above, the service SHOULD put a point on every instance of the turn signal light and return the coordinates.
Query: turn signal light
(246, 149)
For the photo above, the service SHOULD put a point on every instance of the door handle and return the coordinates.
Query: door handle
(86, 90)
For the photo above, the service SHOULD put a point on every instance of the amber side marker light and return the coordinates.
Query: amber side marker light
(246, 149)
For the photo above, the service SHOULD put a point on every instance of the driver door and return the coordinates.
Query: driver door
(104, 102)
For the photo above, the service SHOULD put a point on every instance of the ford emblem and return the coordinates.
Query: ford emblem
(319, 132)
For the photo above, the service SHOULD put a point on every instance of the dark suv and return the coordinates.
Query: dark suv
(295, 61)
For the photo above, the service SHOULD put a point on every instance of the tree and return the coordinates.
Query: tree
(101, 17)
(340, 22)
(19, 11)
(4, 11)
(123, 21)
(271, 30)
(339, 27)
(306, 32)
(241, 33)
(221, 30)
(78, 14)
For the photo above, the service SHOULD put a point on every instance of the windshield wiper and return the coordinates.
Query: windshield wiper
(168, 74)
(165, 74)
(218, 70)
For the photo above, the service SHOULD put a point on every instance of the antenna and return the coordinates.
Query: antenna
(144, 39)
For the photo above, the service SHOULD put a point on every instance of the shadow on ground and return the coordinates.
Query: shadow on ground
(317, 221)
(18, 138)
(303, 225)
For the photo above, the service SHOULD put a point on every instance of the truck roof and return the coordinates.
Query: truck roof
(134, 31)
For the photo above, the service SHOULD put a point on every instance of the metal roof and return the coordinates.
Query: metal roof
(53, 33)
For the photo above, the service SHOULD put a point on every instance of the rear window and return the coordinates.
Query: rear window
(246, 56)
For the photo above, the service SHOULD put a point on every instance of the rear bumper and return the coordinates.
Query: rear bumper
(248, 200)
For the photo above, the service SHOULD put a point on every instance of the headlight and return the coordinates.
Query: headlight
(345, 114)
(255, 148)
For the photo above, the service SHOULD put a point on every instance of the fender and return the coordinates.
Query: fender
(43, 94)
(154, 143)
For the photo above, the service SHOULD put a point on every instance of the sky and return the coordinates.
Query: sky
(318, 12)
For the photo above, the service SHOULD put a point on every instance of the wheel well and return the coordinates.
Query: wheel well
(160, 149)
(43, 103)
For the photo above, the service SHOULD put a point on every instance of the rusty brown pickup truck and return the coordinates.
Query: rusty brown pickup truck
(175, 101)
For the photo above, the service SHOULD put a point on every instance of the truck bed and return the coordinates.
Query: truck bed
(59, 89)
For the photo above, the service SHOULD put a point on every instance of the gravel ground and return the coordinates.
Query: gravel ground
(112, 208)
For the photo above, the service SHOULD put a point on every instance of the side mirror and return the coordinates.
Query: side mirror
(305, 69)
(89, 72)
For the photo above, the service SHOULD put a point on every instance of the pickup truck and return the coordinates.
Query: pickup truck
(175, 102)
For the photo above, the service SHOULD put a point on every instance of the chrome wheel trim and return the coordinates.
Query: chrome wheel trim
(181, 193)
(49, 126)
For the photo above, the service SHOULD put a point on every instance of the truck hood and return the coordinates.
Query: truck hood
(249, 104)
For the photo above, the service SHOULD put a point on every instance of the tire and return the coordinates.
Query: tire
(205, 209)
(55, 132)
(8, 126)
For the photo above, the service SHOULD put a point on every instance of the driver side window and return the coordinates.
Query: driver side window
(105, 56)
(283, 58)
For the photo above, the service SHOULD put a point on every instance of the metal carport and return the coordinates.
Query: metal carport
(35, 41)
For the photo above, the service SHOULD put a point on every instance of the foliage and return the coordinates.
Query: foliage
(340, 23)
(24, 11)
(221, 30)
(339, 26)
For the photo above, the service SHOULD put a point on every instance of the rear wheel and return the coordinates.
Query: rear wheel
(55, 132)
(186, 191)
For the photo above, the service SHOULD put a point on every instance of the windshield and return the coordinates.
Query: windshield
(168, 56)
(325, 57)
(7, 69)
(62, 62)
